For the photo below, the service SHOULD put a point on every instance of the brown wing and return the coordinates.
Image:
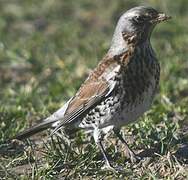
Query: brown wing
(97, 86)
(89, 91)
(93, 90)
(89, 95)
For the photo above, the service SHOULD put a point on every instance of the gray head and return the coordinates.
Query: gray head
(139, 20)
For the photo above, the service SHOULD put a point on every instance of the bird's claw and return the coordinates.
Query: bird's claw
(109, 167)
(133, 157)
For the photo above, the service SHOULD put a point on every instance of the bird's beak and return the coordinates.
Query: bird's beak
(160, 18)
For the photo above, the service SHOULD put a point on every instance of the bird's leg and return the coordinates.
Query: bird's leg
(108, 165)
(130, 153)
(98, 141)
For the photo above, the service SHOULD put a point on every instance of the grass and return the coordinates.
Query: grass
(47, 48)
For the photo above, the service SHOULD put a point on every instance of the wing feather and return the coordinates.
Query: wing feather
(94, 90)
(98, 85)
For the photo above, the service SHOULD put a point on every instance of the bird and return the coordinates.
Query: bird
(119, 90)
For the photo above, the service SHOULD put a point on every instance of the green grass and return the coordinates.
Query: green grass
(47, 48)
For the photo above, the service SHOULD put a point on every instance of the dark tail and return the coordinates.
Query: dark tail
(46, 124)
(43, 125)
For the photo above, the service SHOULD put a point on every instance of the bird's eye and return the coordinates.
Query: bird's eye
(140, 19)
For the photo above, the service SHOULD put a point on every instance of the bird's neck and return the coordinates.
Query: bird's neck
(119, 45)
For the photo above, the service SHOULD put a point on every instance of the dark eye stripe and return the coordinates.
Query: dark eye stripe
(141, 19)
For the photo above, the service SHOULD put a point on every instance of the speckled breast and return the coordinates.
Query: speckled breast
(136, 86)
(140, 81)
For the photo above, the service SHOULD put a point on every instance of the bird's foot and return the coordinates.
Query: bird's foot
(109, 167)
(133, 157)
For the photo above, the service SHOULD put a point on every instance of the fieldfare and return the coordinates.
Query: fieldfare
(120, 89)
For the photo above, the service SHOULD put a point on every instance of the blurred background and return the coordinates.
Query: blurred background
(48, 47)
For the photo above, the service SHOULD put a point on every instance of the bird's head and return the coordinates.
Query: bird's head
(141, 20)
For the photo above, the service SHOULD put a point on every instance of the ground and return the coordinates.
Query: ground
(47, 48)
